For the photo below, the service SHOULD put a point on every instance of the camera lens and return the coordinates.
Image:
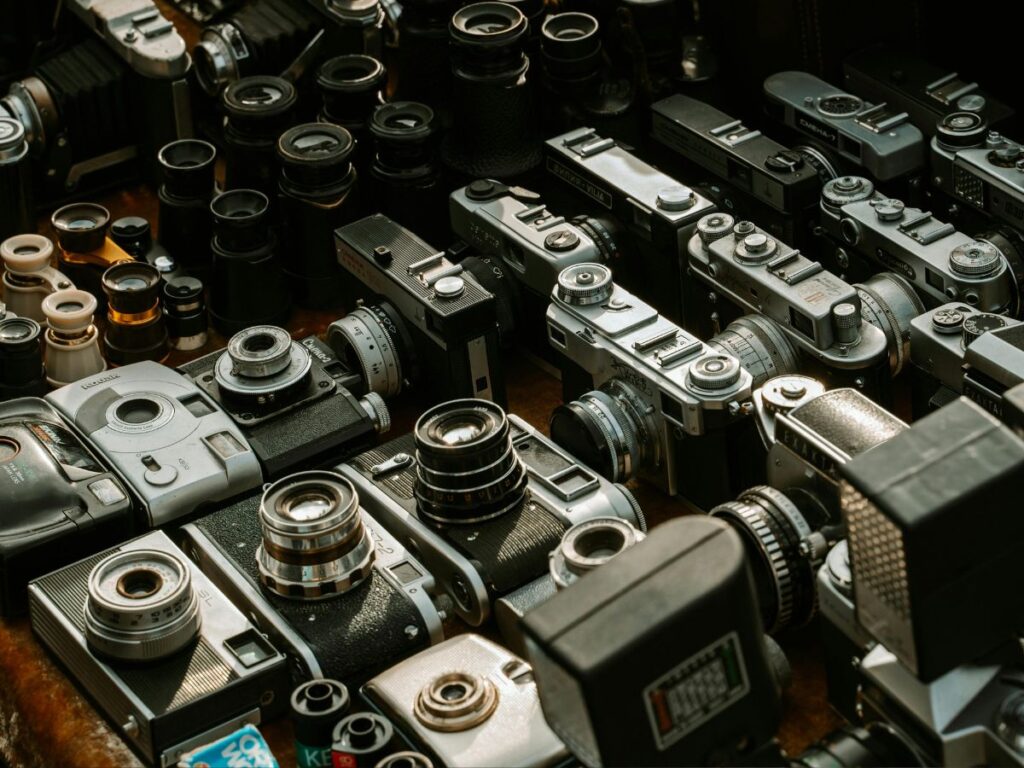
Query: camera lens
(188, 167)
(21, 358)
(609, 430)
(871, 746)
(314, 542)
(258, 110)
(762, 347)
(240, 219)
(135, 323)
(351, 87)
(571, 45)
(402, 130)
(456, 701)
(261, 365)
(467, 469)
(141, 606)
(590, 544)
(488, 38)
(315, 158)
(371, 340)
(81, 227)
(185, 311)
(889, 303)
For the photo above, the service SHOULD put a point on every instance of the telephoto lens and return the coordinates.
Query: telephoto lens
(15, 179)
(424, 72)
(467, 469)
(135, 236)
(184, 223)
(72, 341)
(317, 195)
(28, 276)
(352, 87)
(135, 330)
(85, 250)
(259, 109)
(21, 358)
(405, 179)
(317, 706)
(494, 132)
(246, 283)
(362, 739)
(185, 313)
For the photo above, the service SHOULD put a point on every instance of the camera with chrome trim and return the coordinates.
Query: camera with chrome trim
(847, 131)
(164, 654)
(945, 618)
(941, 263)
(291, 399)
(644, 398)
(320, 576)
(789, 524)
(173, 446)
(481, 498)
(426, 324)
(655, 213)
(949, 347)
(751, 174)
(848, 335)
(533, 244)
(459, 701)
(96, 112)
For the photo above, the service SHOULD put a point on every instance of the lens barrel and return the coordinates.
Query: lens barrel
(187, 169)
(762, 347)
(571, 47)
(467, 469)
(184, 304)
(259, 109)
(135, 322)
(21, 358)
(352, 87)
(81, 227)
(589, 545)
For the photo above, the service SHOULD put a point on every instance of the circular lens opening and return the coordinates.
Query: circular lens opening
(403, 120)
(139, 583)
(600, 543)
(257, 95)
(26, 250)
(239, 204)
(453, 691)
(132, 283)
(70, 306)
(188, 153)
(138, 411)
(487, 24)
(8, 449)
(259, 342)
(315, 142)
(307, 505)
(15, 330)
(80, 224)
(460, 430)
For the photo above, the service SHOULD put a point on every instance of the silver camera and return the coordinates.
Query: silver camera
(876, 138)
(163, 653)
(941, 263)
(163, 434)
(980, 167)
(468, 703)
(652, 385)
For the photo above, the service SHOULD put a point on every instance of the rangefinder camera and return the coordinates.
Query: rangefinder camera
(173, 446)
(61, 502)
(289, 398)
(759, 177)
(979, 167)
(941, 263)
(875, 137)
(431, 325)
(927, 93)
(461, 701)
(166, 657)
(941, 341)
(638, 389)
(481, 498)
(319, 576)
(655, 211)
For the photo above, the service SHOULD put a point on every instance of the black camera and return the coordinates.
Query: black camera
(289, 398)
(320, 576)
(431, 326)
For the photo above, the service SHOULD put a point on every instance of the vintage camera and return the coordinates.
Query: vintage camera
(941, 263)
(320, 576)
(850, 334)
(847, 129)
(756, 177)
(28, 277)
(789, 524)
(288, 398)
(61, 502)
(481, 498)
(657, 211)
(639, 390)
(460, 702)
(167, 658)
(173, 446)
(945, 618)
(978, 166)
(584, 547)
(926, 92)
(432, 326)
(941, 342)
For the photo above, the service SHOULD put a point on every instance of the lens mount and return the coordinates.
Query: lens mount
(889, 302)
(314, 542)
(215, 61)
(369, 338)
(81, 227)
(456, 701)
(590, 544)
(141, 605)
(261, 361)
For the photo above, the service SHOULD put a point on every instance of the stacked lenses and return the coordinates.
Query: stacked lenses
(258, 110)
(352, 87)
(135, 322)
(187, 167)
(467, 469)
(571, 48)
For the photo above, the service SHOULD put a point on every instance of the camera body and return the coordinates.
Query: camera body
(435, 326)
(387, 617)
(225, 675)
(298, 417)
(758, 177)
(477, 563)
(657, 211)
(172, 445)
(61, 501)
(417, 695)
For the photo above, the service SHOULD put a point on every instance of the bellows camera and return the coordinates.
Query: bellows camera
(167, 658)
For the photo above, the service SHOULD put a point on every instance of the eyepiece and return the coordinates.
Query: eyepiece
(81, 227)
(135, 324)
(571, 46)
(132, 287)
(133, 234)
(188, 167)
(185, 309)
(487, 24)
(315, 155)
(402, 121)
(259, 98)
(240, 219)
(351, 88)
(25, 254)
(69, 311)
